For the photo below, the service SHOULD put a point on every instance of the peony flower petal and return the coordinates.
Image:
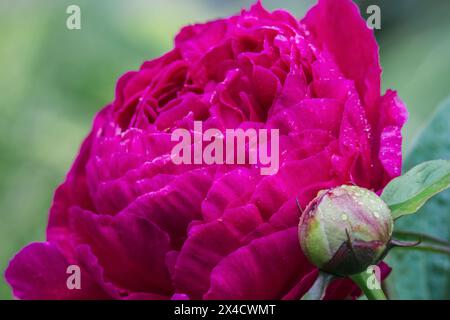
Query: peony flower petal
(337, 26)
(293, 176)
(193, 41)
(355, 145)
(175, 206)
(138, 262)
(393, 115)
(390, 153)
(223, 192)
(302, 286)
(253, 271)
(310, 114)
(207, 244)
(39, 271)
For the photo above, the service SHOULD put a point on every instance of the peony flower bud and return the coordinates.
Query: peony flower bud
(346, 229)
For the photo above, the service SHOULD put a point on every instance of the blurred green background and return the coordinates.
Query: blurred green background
(53, 80)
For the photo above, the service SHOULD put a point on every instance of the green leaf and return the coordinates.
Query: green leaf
(419, 274)
(409, 192)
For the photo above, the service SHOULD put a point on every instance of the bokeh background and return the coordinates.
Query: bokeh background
(53, 80)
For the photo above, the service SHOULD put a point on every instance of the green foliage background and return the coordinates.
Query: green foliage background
(52, 82)
(418, 274)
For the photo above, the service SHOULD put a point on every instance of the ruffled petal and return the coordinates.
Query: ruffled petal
(39, 271)
(131, 249)
(265, 269)
(337, 27)
(174, 207)
(208, 244)
(224, 193)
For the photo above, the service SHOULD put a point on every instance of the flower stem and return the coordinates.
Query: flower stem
(420, 236)
(427, 243)
(431, 248)
(372, 292)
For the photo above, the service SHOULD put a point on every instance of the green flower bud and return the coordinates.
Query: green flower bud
(345, 230)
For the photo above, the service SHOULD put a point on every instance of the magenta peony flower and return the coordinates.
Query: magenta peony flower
(141, 227)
